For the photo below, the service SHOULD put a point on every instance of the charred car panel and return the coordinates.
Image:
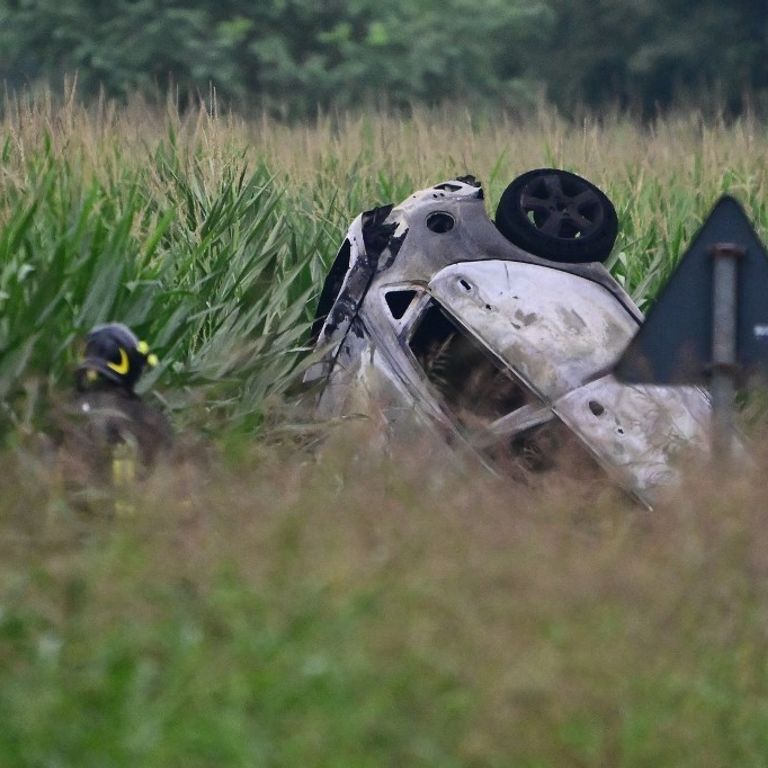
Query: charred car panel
(431, 316)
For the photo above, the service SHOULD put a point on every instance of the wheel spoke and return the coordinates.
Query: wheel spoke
(531, 203)
(587, 196)
(554, 186)
(582, 222)
(552, 225)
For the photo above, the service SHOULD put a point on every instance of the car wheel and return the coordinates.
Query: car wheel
(559, 216)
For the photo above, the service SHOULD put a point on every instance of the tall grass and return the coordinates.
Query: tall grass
(275, 613)
(261, 606)
(199, 257)
(210, 234)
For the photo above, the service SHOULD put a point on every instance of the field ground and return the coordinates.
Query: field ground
(255, 603)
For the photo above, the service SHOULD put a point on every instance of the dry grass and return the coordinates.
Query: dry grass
(674, 155)
(663, 177)
(263, 606)
(390, 612)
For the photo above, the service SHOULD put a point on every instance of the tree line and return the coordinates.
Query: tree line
(301, 55)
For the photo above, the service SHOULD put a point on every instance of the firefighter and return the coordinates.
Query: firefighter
(119, 433)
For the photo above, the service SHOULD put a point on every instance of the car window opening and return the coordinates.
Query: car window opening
(476, 388)
(479, 391)
(398, 302)
(549, 446)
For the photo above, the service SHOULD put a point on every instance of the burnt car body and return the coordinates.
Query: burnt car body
(432, 318)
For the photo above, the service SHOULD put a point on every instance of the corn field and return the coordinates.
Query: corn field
(261, 604)
(210, 235)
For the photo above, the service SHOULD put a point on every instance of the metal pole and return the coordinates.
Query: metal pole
(724, 308)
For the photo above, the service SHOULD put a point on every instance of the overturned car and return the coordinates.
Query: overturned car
(499, 337)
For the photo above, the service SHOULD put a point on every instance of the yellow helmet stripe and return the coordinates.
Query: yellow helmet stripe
(122, 367)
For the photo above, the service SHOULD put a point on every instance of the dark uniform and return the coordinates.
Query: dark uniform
(116, 434)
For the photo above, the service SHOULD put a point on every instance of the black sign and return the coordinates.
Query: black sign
(674, 345)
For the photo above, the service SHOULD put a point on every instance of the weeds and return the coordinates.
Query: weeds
(280, 612)
(210, 235)
(262, 607)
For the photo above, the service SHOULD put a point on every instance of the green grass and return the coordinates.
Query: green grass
(266, 605)
(210, 235)
(282, 613)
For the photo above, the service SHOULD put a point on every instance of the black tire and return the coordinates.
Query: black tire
(558, 216)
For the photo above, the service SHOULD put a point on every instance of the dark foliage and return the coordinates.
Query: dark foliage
(296, 55)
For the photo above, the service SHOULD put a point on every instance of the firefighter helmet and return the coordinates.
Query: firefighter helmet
(113, 353)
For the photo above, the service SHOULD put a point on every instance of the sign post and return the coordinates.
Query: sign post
(709, 325)
(725, 276)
